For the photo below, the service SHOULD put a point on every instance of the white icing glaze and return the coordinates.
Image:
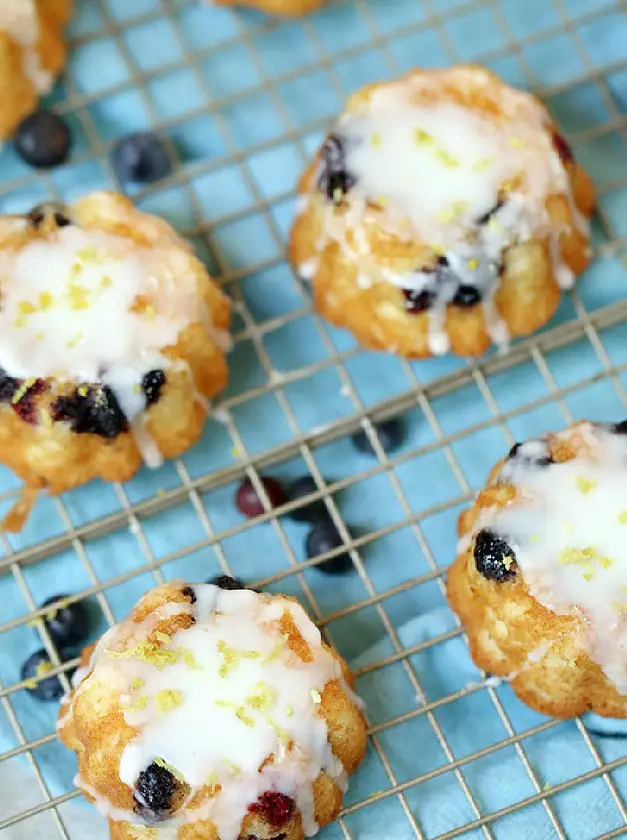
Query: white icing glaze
(242, 696)
(433, 170)
(68, 304)
(568, 530)
(19, 19)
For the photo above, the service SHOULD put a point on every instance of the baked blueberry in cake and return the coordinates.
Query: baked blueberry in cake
(213, 713)
(443, 212)
(540, 581)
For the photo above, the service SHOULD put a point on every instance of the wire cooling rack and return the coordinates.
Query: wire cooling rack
(243, 101)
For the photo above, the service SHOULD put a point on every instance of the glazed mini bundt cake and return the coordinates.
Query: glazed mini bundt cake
(540, 583)
(32, 54)
(112, 337)
(213, 714)
(444, 211)
(283, 8)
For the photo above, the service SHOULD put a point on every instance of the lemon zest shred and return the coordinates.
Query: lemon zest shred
(168, 699)
(585, 485)
(622, 517)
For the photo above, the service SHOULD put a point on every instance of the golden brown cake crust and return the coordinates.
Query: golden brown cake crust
(92, 724)
(528, 293)
(18, 94)
(283, 8)
(49, 455)
(543, 655)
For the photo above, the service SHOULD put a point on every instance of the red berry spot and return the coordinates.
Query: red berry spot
(274, 808)
(563, 149)
(248, 501)
(25, 407)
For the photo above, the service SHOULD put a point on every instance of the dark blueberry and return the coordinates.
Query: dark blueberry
(494, 558)
(248, 501)
(563, 149)
(227, 582)
(467, 296)
(26, 406)
(310, 512)
(95, 411)
(542, 461)
(418, 301)
(322, 538)
(67, 625)
(36, 666)
(141, 158)
(156, 792)
(152, 383)
(47, 210)
(275, 808)
(188, 592)
(483, 220)
(391, 434)
(43, 140)
(335, 180)
(621, 428)
(8, 386)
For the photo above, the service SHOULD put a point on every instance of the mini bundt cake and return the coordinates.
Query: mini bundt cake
(540, 583)
(444, 211)
(283, 8)
(112, 337)
(213, 714)
(32, 54)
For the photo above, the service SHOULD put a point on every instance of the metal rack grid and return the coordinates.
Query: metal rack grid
(590, 329)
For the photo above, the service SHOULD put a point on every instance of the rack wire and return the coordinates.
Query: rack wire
(461, 415)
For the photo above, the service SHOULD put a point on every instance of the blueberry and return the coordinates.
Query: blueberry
(539, 461)
(67, 625)
(227, 582)
(141, 158)
(275, 808)
(418, 301)
(156, 793)
(8, 386)
(335, 181)
(620, 428)
(47, 209)
(391, 434)
(494, 558)
(152, 383)
(188, 592)
(26, 406)
(43, 140)
(324, 537)
(248, 501)
(310, 512)
(467, 296)
(36, 666)
(95, 411)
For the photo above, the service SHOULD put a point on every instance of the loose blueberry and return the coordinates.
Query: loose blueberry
(563, 149)
(322, 538)
(43, 140)
(335, 181)
(467, 296)
(227, 582)
(152, 383)
(67, 625)
(248, 501)
(275, 808)
(97, 412)
(35, 667)
(494, 558)
(391, 434)
(311, 512)
(141, 158)
(418, 301)
(155, 793)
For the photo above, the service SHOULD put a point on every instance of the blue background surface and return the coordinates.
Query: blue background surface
(243, 102)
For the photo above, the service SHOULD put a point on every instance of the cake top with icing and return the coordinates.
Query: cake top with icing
(85, 306)
(567, 527)
(432, 153)
(213, 702)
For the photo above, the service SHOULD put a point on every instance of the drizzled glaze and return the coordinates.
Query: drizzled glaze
(424, 167)
(568, 530)
(85, 306)
(19, 19)
(233, 694)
